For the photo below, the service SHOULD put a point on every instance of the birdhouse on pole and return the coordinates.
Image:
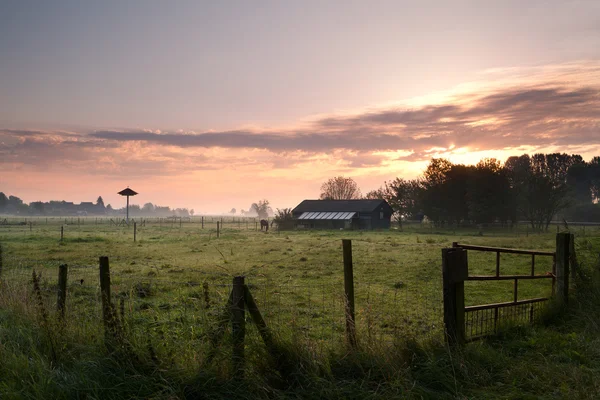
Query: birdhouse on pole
(127, 192)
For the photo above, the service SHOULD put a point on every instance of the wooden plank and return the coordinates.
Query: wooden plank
(238, 325)
(507, 277)
(349, 293)
(506, 304)
(454, 294)
(105, 297)
(503, 250)
(497, 263)
(258, 320)
(62, 289)
(563, 246)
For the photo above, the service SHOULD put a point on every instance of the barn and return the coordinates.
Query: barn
(342, 214)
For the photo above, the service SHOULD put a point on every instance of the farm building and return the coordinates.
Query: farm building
(342, 214)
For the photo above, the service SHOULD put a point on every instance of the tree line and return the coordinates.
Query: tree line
(528, 188)
(14, 205)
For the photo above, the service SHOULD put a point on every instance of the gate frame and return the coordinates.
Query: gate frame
(455, 271)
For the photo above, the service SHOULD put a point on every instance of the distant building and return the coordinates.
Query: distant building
(343, 214)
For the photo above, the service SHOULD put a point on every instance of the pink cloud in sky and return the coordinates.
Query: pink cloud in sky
(551, 108)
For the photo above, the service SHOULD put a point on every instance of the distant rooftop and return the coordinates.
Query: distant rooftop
(361, 206)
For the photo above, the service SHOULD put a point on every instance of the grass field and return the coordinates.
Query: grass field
(175, 279)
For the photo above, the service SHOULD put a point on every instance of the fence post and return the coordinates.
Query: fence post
(203, 222)
(563, 246)
(105, 294)
(218, 226)
(574, 265)
(454, 274)
(62, 289)
(1, 261)
(349, 293)
(62, 232)
(134, 231)
(238, 327)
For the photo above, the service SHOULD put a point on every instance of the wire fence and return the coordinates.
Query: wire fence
(179, 314)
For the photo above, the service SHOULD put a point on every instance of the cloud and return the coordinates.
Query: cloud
(552, 107)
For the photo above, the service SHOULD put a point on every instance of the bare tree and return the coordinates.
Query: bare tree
(262, 209)
(340, 188)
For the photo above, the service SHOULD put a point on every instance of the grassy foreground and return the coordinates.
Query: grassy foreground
(42, 358)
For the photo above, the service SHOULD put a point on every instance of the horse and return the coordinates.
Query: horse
(264, 224)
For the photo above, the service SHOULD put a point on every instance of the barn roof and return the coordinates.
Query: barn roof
(360, 206)
(127, 192)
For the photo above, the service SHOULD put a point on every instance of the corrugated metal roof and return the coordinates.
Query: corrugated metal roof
(327, 215)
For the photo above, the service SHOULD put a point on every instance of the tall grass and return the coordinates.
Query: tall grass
(42, 357)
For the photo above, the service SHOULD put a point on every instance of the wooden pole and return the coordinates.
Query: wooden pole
(203, 222)
(238, 327)
(1, 261)
(218, 228)
(134, 231)
(62, 232)
(62, 289)
(563, 246)
(258, 319)
(105, 295)
(349, 292)
(454, 273)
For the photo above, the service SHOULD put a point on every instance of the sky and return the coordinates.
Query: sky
(216, 105)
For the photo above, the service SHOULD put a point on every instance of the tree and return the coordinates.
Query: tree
(262, 209)
(192, 212)
(540, 186)
(148, 208)
(233, 211)
(377, 194)
(594, 178)
(340, 188)
(100, 202)
(3, 201)
(283, 217)
(37, 207)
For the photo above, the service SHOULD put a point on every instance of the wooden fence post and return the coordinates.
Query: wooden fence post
(563, 246)
(134, 231)
(574, 265)
(238, 327)
(62, 232)
(258, 320)
(1, 260)
(62, 289)
(218, 226)
(105, 294)
(454, 274)
(203, 222)
(349, 293)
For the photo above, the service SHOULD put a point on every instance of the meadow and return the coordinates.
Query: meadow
(171, 285)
